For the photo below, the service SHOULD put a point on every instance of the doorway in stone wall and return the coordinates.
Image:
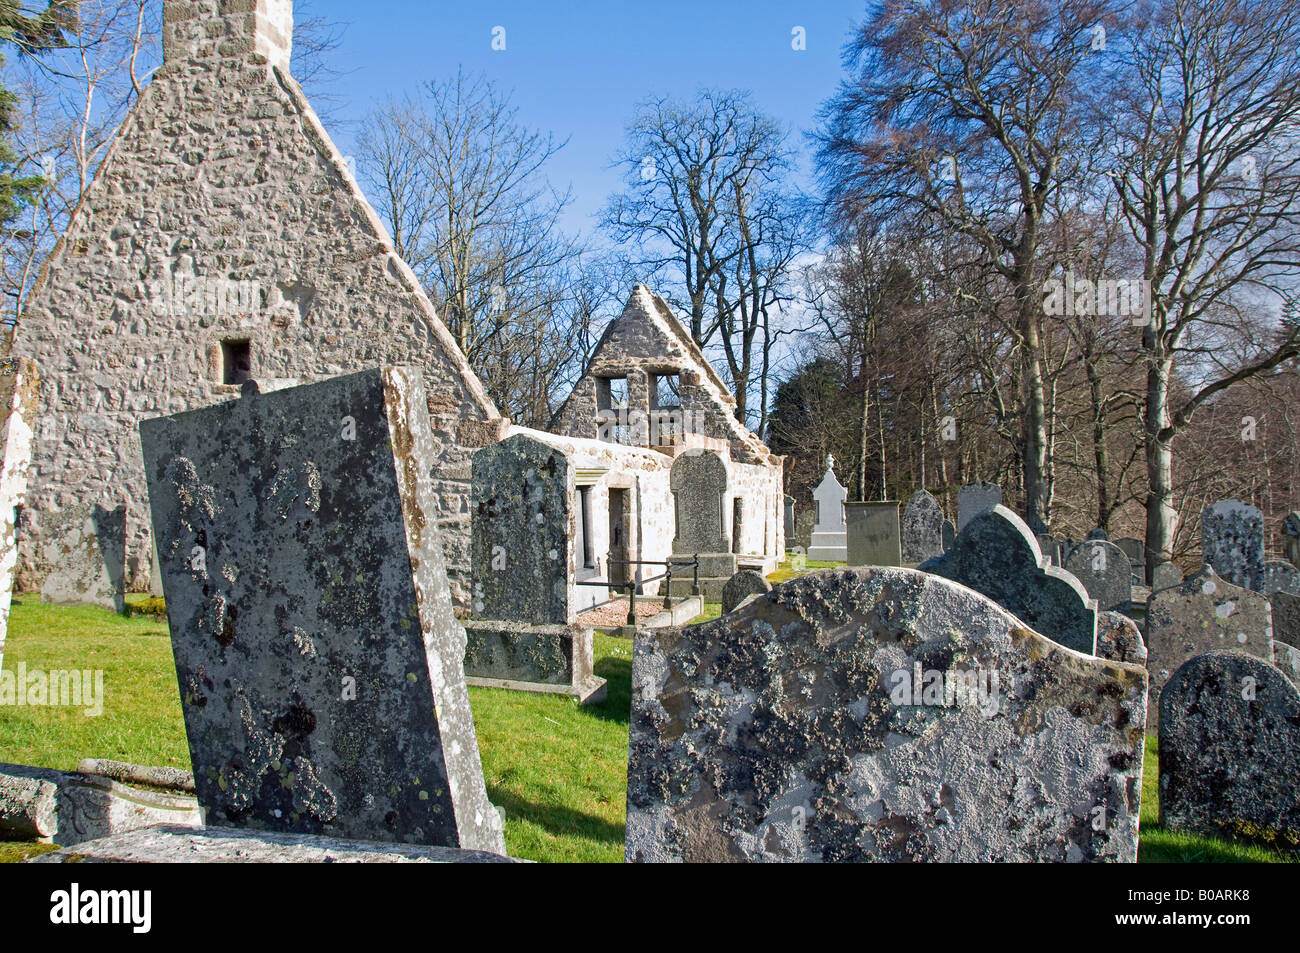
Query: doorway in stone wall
(619, 527)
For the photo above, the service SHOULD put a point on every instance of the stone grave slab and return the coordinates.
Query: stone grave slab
(872, 532)
(1230, 750)
(319, 660)
(86, 545)
(922, 528)
(1286, 616)
(1105, 571)
(1165, 576)
(974, 499)
(829, 538)
(1287, 659)
(998, 556)
(879, 714)
(741, 586)
(1232, 541)
(1119, 638)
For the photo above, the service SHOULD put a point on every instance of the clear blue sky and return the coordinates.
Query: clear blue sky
(577, 69)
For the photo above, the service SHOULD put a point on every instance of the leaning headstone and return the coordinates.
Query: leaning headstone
(86, 546)
(1119, 639)
(872, 532)
(741, 586)
(923, 716)
(1104, 570)
(318, 656)
(949, 535)
(829, 538)
(1204, 614)
(1230, 750)
(1232, 541)
(1165, 576)
(1287, 658)
(922, 528)
(998, 556)
(19, 389)
(1291, 538)
(974, 499)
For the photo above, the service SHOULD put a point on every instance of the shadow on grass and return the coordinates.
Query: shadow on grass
(559, 821)
(617, 706)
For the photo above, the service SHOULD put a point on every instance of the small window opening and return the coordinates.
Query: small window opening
(236, 361)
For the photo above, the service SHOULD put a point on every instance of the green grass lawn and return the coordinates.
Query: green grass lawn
(558, 769)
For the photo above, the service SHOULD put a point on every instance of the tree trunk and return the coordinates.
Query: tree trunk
(1162, 517)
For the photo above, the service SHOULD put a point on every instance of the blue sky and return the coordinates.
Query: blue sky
(578, 69)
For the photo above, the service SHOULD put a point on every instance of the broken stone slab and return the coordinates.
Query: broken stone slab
(28, 807)
(997, 555)
(1203, 614)
(85, 544)
(974, 499)
(922, 528)
(212, 845)
(547, 658)
(173, 779)
(872, 534)
(1232, 541)
(1230, 750)
(319, 660)
(19, 397)
(1105, 571)
(741, 586)
(1119, 639)
(879, 714)
(89, 806)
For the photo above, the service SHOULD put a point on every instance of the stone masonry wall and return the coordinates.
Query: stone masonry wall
(223, 213)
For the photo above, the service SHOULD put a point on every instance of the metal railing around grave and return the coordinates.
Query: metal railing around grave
(631, 585)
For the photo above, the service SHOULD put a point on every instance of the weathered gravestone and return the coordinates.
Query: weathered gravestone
(1286, 616)
(997, 555)
(1279, 576)
(1105, 572)
(1097, 533)
(1165, 576)
(974, 499)
(1232, 541)
(804, 522)
(879, 715)
(922, 528)
(1287, 658)
(318, 657)
(949, 535)
(791, 536)
(1230, 750)
(1136, 551)
(701, 483)
(19, 390)
(86, 546)
(1051, 547)
(1119, 639)
(741, 586)
(872, 532)
(1291, 538)
(1203, 614)
(829, 539)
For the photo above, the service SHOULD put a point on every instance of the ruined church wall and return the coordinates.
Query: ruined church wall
(222, 212)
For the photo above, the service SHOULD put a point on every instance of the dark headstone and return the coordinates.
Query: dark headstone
(884, 715)
(1119, 639)
(741, 586)
(949, 535)
(318, 657)
(1232, 541)
(1104, 570)
(997, 555)
(1165, 576)
(922, 528)
(1230, 750)
(699, 485)
(873, 534)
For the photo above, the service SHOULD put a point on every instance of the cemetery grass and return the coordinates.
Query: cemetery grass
(558, 769)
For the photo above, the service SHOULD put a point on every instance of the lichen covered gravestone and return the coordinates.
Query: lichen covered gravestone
(1232, 541)
(1203, 614)
(997, 555)
(879, 715)
(1230, 750)
(922, 528)
(19, 384)
(1119, 638)
(85, 545)
(1165, 576)
(317, 653)
(741, 586)
(1105, 571)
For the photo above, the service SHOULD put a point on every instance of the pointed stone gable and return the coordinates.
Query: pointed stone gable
(646, 340)
(224, 238)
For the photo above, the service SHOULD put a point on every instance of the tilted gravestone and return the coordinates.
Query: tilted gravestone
(1165, 576)
(741, 586)
(1051, 547)
(829, 538)
(922, 528)
(1203, 614)
(872, 533)
(1230, 750)
(86, 546)
(521, 633)
(923, 713)
(318, 656)
(19, 390)
(974, 499)
(1105, 572)
(997, 555)
(1232, 541)
(1119, 638)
